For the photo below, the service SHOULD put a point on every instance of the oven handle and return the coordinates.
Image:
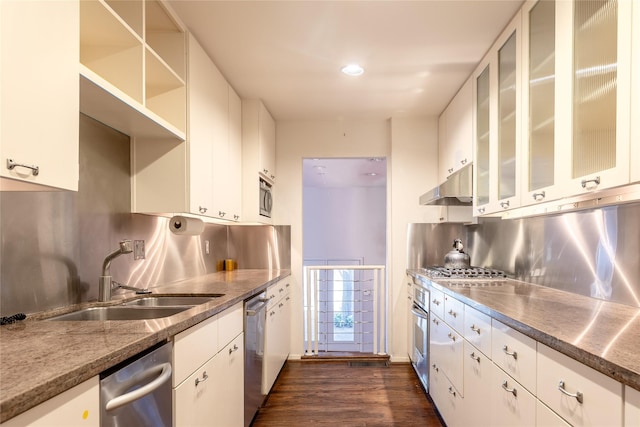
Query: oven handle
(417, 311)
(125, 399)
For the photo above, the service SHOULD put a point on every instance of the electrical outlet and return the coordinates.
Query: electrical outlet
(138, 249)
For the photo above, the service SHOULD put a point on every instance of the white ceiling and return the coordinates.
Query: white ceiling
(416, 54)
(344, 172)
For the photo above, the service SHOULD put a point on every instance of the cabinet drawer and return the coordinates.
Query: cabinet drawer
(230, 324)
(545, 417)
(447, 399)
(454, 313)
(477, 329)
(436, 302)
(452, 353)
(515, 353)
(511, 403)
(478, 369)
(597, 398)
(193, 347)
(193, 397)
(631, 406)
(276, 292)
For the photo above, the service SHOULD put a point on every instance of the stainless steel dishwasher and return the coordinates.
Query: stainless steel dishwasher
(255, 318)
(138, 391)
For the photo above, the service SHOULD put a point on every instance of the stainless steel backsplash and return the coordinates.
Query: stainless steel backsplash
(592, 252)
(54, 243)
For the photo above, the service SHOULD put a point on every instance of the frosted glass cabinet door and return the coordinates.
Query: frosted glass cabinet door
(635, 98)
(601, 90)
(539, 95)
(483, 150)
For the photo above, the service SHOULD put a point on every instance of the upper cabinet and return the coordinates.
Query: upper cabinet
(258, 156)
(635, 96)
(455, 133)
(39, 104)
(201, 177)
(133, 67)
(497, 124)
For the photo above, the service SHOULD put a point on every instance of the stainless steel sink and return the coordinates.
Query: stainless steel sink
(121, 313)
(172, 301)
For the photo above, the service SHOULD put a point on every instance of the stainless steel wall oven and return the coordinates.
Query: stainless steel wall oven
(420, 339)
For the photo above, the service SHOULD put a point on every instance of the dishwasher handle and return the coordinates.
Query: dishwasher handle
(164, 370)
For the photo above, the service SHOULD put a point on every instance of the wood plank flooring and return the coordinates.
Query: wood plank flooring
(334, 393)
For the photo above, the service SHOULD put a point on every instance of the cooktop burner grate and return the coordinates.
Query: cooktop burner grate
(463, 273)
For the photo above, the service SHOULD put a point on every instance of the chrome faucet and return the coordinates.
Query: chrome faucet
(106, 284)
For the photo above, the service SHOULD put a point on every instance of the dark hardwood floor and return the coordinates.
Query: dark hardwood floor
(337, 394)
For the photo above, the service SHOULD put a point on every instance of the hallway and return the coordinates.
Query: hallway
(335, 393)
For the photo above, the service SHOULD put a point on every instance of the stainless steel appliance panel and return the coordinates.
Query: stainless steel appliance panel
(255, 320)
(139, 393)
(420, 338)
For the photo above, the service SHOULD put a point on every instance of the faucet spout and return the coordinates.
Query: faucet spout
(104, 284)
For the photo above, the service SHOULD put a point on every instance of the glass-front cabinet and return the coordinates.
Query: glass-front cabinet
(497, 83)
(635, 96)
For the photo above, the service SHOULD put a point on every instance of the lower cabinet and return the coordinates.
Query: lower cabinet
(511, 403)
(277, 332)
(209, 372)
(631, 406)
(478, 369)
(79, 406)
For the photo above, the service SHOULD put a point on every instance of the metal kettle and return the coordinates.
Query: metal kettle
(457, 258)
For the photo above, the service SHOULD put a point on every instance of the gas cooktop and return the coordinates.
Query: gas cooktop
(440, 272)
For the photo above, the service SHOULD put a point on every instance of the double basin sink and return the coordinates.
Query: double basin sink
(139, 309)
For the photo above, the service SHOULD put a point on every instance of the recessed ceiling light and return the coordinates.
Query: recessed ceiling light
(371, 174)
(352, 70)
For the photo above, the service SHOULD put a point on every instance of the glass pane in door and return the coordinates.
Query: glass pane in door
(482, 137)
(507, 119)
(594, 86)
(542, 65)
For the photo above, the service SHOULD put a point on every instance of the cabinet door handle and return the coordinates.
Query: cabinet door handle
(450, 170)
(504, 205)
(453, 337)
(202, 209)
(236, 217)
(436, 302)
(453, 313)
(463, 161)
(481, 210)
(272, 313)
(235, 348)
(204, 378)
(514, 354)
(11, 164)
(434, 320)
(474, 357)
(578, 395)
(452, 391)
(539, 196)
(506, 388)
(595, 181)
(221, 214)
(475, 329)
(435, 368)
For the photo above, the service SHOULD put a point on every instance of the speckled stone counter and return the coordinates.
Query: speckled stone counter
(40, 359)
(599, 334)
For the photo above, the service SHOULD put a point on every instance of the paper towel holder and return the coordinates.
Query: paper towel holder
(186, 226)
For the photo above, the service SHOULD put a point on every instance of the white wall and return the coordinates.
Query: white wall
(410, 146)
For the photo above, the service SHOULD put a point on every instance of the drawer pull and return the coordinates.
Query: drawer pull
(204, 378)
(434, 320)
(235, 348)
(474, 357)
(539, 196)
(453, 313)
(453, 337)
(510, 353)
(435, 368)
(202, 209)
(436, 302)
(509, 390)
(452, 391)
(475, 329)
(578, 395)
(504, 205)
(11, 164)
(481, 210)
(595, 181)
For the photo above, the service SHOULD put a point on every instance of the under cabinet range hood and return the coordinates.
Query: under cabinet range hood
(457, 190)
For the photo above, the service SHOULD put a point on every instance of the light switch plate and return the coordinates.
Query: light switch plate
(138, 249)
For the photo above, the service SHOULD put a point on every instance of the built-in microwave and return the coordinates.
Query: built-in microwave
(266, 200)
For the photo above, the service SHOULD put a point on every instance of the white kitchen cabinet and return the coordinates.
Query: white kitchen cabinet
(208, 379)
(39, 105)
(410, 337)
(258, 156)
(515, 353)
(455, 132)
(635, 97)
(497, 116)
(454, 313)
(202, 176)
(277, 331)
(478, 370)
(511, 404)
(545, 417)
(448, 400)
(579, 394)
(446, 350)
(78, 406)
(133, 67)
(477, 329)
(631, 407)
(436, 302)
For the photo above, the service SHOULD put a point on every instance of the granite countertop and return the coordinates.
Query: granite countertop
(40, 359)
(597, 333)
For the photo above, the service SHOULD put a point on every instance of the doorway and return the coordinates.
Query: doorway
(344, 224)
